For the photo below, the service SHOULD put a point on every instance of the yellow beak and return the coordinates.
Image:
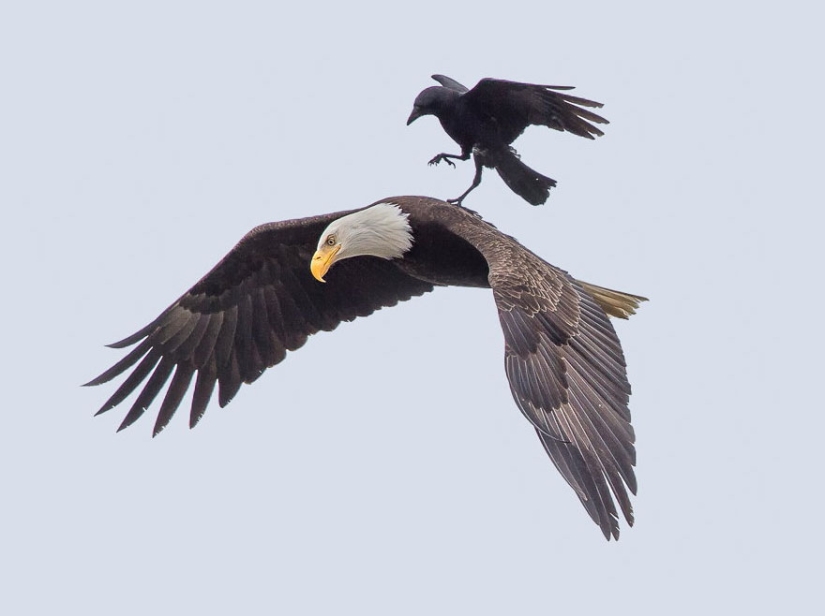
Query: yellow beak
(322, 260)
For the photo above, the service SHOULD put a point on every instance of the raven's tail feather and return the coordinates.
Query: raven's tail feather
(530, 185)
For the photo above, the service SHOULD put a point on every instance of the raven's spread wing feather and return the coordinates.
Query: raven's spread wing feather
(258, 303)
(567, 374)
(450, 83)
(514, 106)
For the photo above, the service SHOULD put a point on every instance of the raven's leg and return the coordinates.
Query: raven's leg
(446, 157)
(476, 182)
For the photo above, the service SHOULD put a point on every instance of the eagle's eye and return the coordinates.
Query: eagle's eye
(331, 240)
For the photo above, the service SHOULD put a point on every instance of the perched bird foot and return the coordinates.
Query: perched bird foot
(456, 201)
(437, 159)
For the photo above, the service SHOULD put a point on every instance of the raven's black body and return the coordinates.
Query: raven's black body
(486, 120)
(563, 359)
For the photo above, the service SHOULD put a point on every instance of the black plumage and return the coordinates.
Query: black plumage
(486, 120)
(563, 359)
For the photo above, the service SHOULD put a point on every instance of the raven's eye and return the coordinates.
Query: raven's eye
(331, 240)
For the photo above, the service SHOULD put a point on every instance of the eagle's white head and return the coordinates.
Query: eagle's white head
(381, 230)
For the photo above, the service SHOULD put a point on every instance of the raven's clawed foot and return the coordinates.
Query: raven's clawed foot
(456, 201)
(438, 158)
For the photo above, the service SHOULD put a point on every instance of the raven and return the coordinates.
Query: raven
(484, 121)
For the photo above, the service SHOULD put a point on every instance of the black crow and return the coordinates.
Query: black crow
(484, 121)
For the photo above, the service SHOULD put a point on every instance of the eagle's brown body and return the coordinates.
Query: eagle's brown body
(563, 359)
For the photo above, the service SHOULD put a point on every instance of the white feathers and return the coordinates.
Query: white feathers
(381, 230)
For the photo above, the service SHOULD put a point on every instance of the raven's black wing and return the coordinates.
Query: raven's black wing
(450, 83)
(514, 106)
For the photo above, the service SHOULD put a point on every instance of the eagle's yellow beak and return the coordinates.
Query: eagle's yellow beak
(322, 260)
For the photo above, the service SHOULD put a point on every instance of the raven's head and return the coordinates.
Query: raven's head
(431, 102)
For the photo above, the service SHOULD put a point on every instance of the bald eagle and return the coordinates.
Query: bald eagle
(562, 357)
(486, 119)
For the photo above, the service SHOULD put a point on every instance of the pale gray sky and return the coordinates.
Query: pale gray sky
(384, 468)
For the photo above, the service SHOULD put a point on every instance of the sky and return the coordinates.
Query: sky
(384, 467)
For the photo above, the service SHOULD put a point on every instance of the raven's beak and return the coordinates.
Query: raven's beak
(416, 113)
